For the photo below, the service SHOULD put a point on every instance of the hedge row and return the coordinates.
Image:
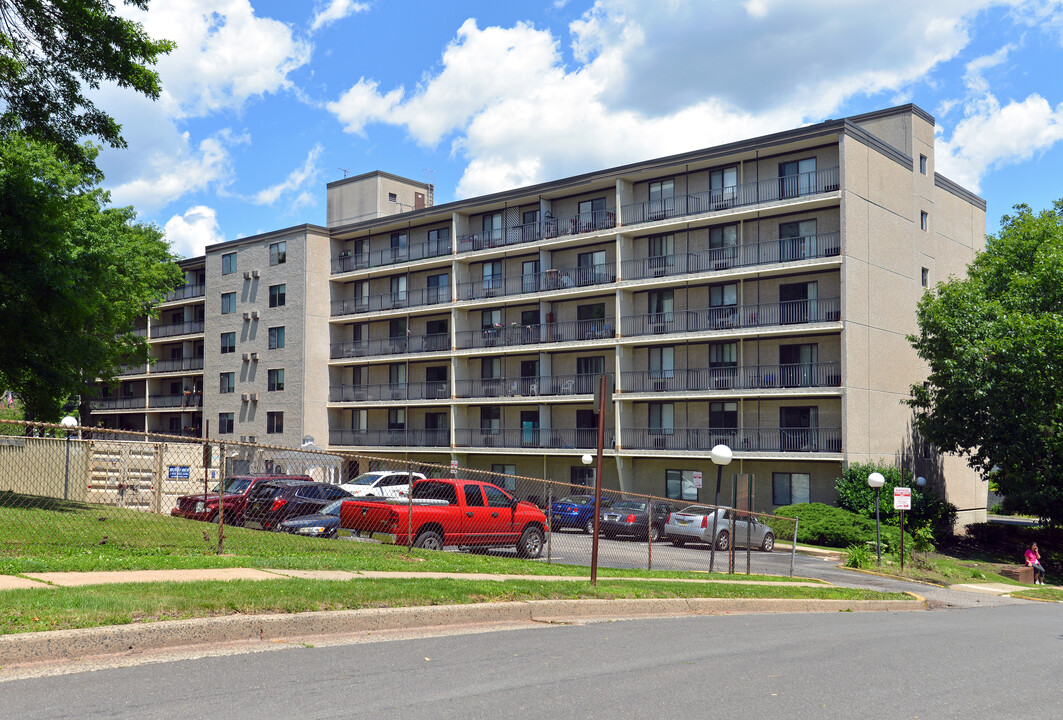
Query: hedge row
(820, 524)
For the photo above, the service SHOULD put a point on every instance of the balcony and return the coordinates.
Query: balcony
(527, 387)
(753, 193)
(182, 328)
(546, 438)
(729, 317)
(535, 334)
(391, 438)
(553, 279)
(178, 365)
(756, 439)
(133, 369)
(745, 377)
(119, 403)
(551, 227)
(194, 399)
(193, 432)
(391, 256)
(439, 342)
(186, 291)
(433, 390)
(808, 247)
(397, 300)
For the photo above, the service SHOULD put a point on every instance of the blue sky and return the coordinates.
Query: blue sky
(265, 102)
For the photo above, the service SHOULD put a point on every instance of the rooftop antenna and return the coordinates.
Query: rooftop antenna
(346, 172)
(429, 179)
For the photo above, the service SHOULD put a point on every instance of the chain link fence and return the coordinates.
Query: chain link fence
(82, 492)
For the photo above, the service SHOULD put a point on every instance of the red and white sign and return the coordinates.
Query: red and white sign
(902, 498)
(454, 468)
(697, 478)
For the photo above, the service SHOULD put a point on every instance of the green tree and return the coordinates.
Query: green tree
(994, 345)
(51, 50)
(75, 275)
(856, 496)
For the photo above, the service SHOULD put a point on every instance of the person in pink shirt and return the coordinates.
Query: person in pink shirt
(1033, 559)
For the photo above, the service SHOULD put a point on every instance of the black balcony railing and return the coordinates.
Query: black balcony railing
(550, 227)
(529, 387)
(193, 399)
(769, 190)
(183, 432)
(807, 247)
(186, 291)
(397, 300)
(391, 255)
(173, 329)
(119, 403)
(535, 334)
(391, 438)
(745, 377)
(178, 365)
(391, 346)
(557, 438)
(758, 439)
(133, 369)
(431, 390)
(553, 279)
(727, 317)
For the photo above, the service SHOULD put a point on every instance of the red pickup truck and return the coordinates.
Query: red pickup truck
(444, 513)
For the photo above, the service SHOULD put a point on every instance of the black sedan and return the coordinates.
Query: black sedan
(322, 524)
(272, 503)
(630, 517)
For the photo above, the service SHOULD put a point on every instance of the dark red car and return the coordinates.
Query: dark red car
(270, 503)
(237, 489)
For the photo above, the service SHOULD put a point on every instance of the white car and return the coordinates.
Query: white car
(694, 524)
(382, 483)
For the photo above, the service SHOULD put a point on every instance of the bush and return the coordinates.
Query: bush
(856, 496)
(857, 556)
(821, 524)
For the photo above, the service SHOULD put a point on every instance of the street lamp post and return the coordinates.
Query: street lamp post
(876, 481)
(68, 422)
(588, 459)
(721, 455)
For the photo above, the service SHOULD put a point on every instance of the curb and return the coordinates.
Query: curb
(59, 645)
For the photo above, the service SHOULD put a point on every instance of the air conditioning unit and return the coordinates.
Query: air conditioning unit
(243, 438)
(247, 274)
(252, 438)
(254, 273)
(245, 397)
(254, 314)
(247, 356)
(247, 317)
(254, 397)
(254, 357)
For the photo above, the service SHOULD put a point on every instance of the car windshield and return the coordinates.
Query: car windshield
(332, 508)
(233, 485)
(630, 505)
(696, 510)
(366, 478)
(577, 499)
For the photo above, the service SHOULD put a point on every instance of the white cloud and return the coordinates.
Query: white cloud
(336, 10)
(652, 79)
(296, 181)
(190, 233)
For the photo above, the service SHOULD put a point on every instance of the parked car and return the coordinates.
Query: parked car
(631, 517)
(321, 524)
(694, 524)
(576, 511)
(273, 502)
(237, 490)
(444, 512)
(381, 483)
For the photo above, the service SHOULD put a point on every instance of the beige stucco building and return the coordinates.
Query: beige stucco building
(756, 294)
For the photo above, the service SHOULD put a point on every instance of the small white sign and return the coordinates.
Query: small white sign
(454, 468)
(902, 498)
(697, 478)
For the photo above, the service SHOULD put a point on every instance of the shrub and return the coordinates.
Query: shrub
(821, 524)
(928, 508)
(857, 556)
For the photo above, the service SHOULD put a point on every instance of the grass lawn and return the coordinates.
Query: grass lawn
(55, 608)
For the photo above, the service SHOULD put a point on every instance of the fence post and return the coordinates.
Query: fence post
(793, 547)
(409, 507)
(160, 479)
(749, 522)
(549, 522)
(649, 534)
(221, 500)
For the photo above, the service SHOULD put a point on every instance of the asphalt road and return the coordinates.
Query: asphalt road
(984, 663)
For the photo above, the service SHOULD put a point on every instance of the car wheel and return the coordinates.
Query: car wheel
(589, 527)
(530, 545)
(429, 540)
(723, 541)
(655, 534)
(769, 543)
(679, 542)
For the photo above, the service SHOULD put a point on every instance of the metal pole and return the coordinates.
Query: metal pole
(549, 521)
(66, 482)
(749, 523)
(409, 506)
(878, 530)
(221, 503)
(715, 519)
(598, 478)
(793, 547)
(734, 520)
(902, 540)
(649, 534)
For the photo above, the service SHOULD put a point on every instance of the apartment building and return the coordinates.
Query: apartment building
(755, 294)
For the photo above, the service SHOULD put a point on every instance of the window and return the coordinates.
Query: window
(490, 319)
(797, 177)
(926, 277)
(397, 419)
(274, 423)
(228, 303)
(473, 496)
(723, 415)
(490, 368)
(924, 220)
(662, 363)
(228, 383)
(392, 197)
(225, 423)
(723, 188)
(922, 164)
(723, 354)
(662, 199)
(228, 342)
(276, 337)
(662, 418)
(496, 498)
(228, 263)
(789, 488)
(276, 295)
(492, 226)
(275, 379)
(509, 483)
(490, 420)
(797, 240)
(581, 475)
(592, 215)
(723, 295)
(438, 288)
(278, 253)
(679, 485)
